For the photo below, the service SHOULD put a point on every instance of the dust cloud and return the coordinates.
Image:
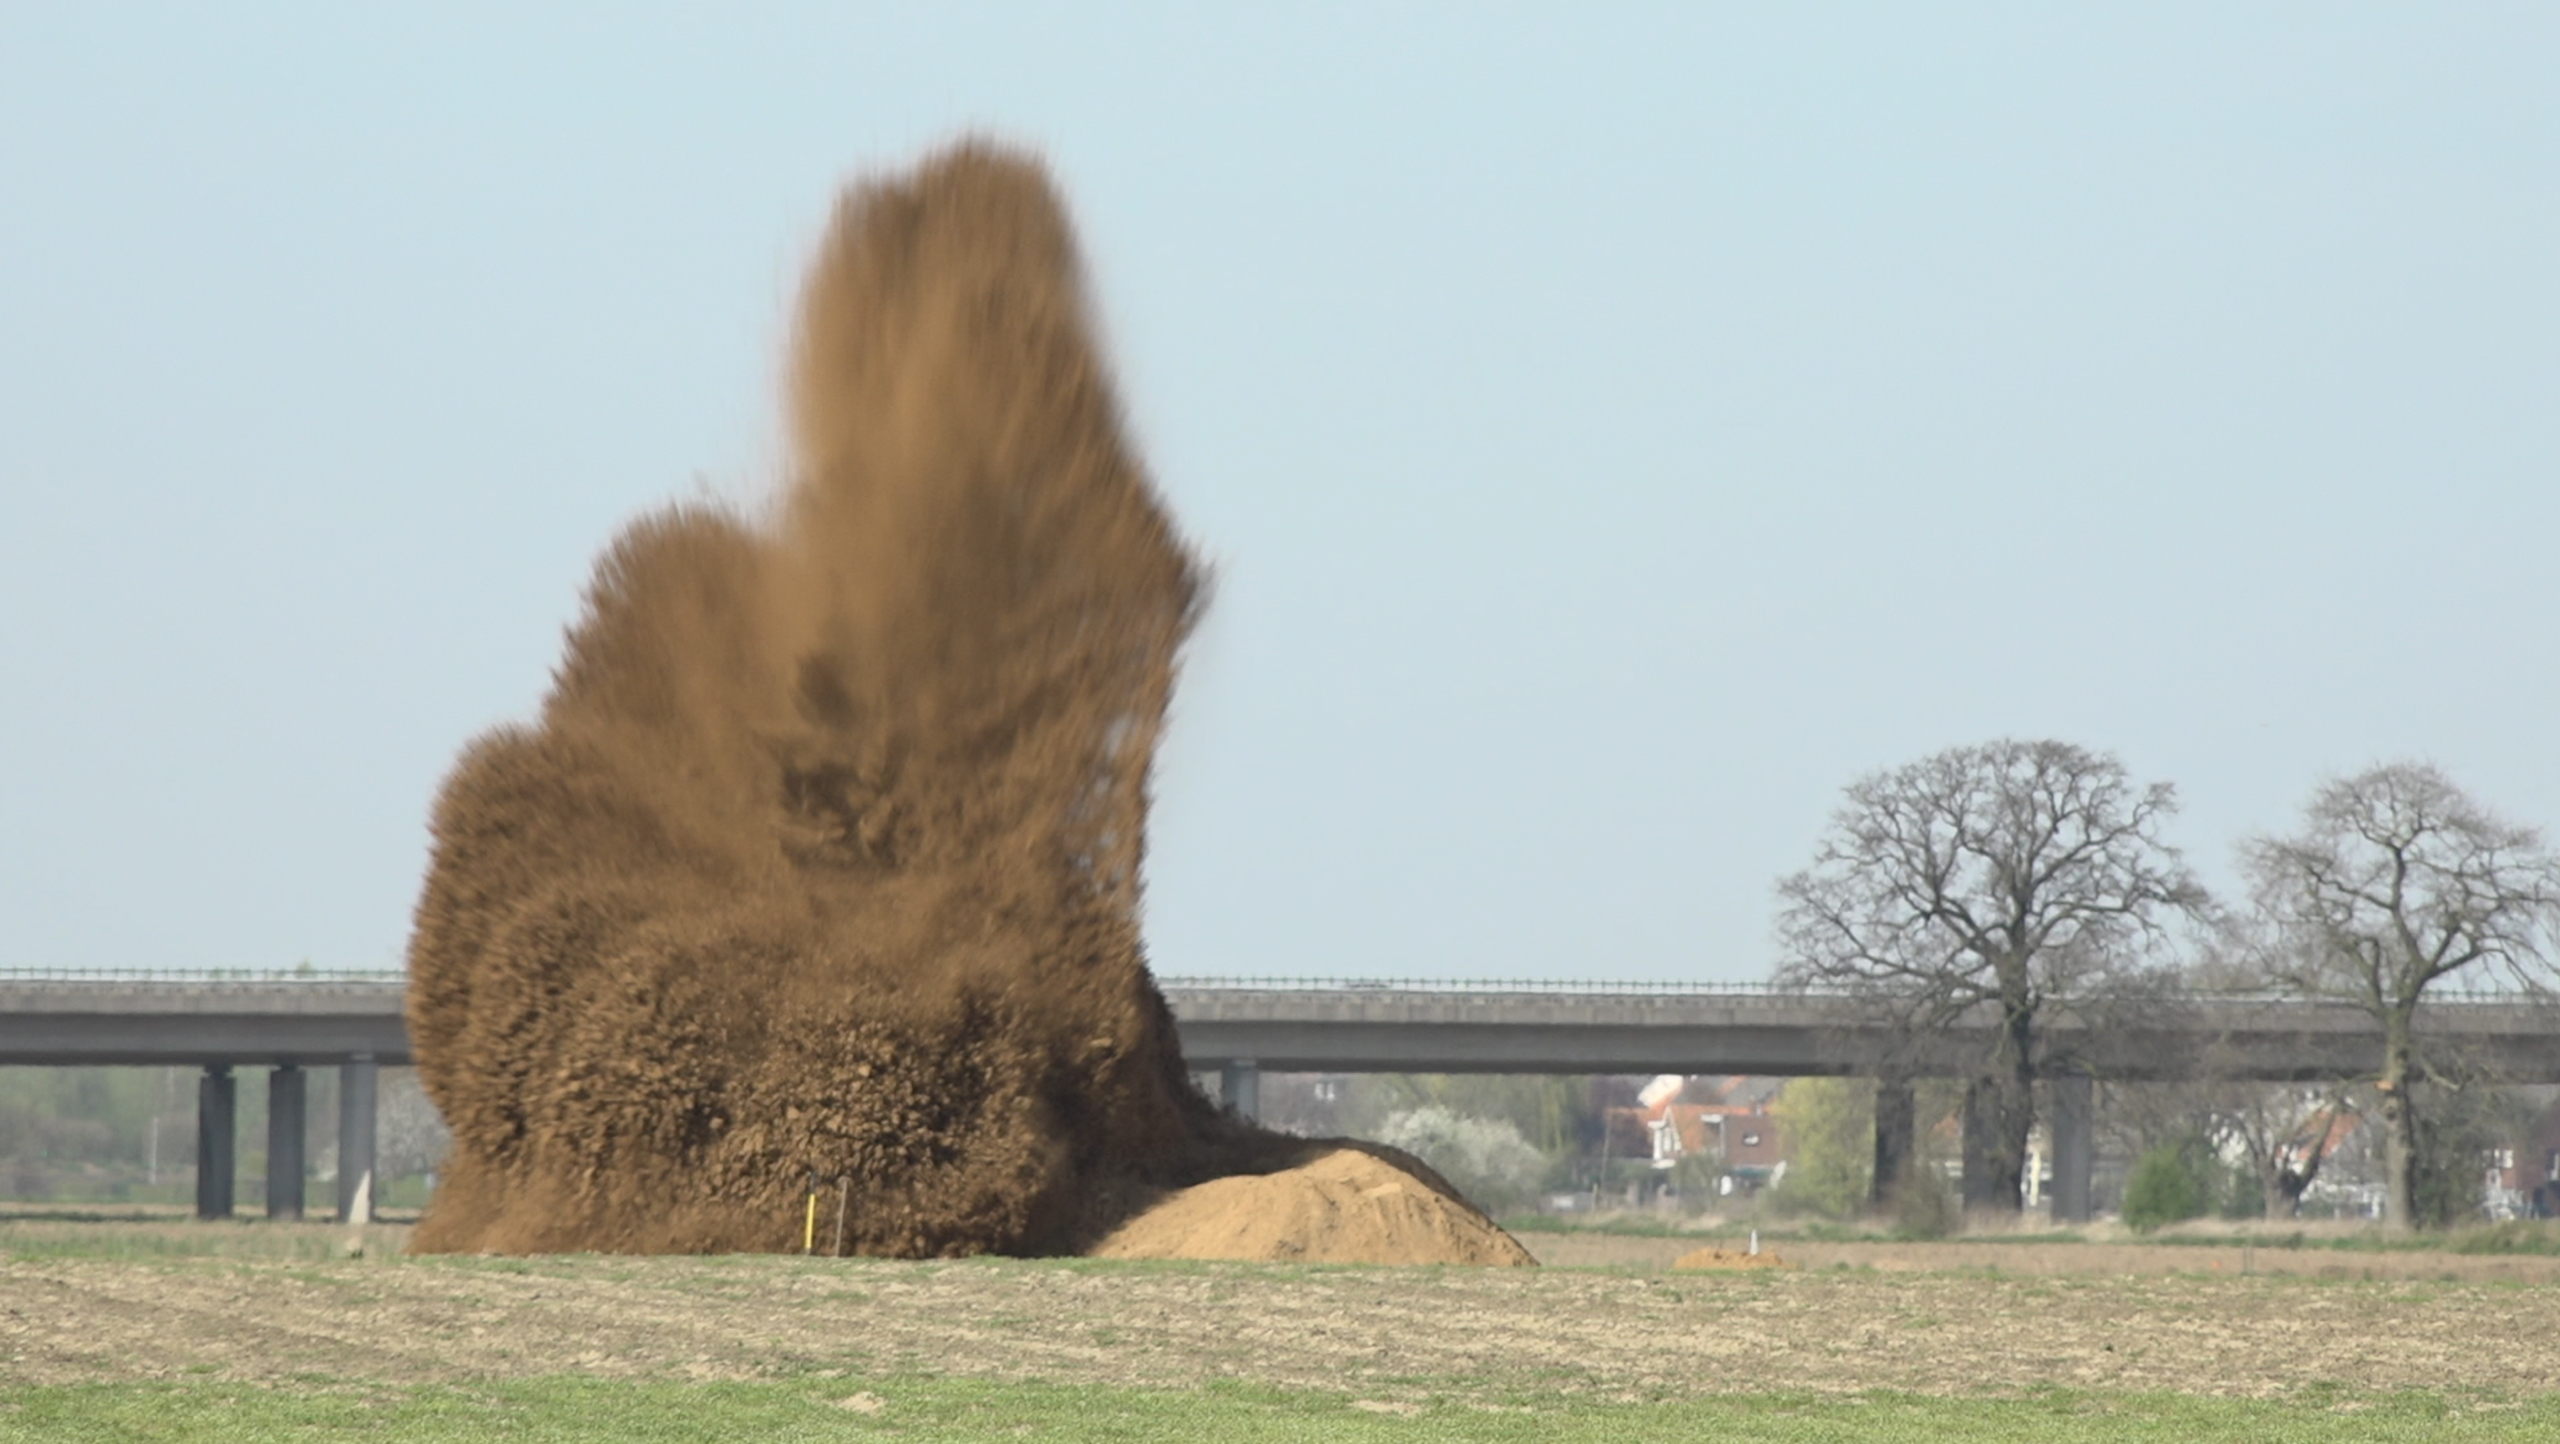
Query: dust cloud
(819, 873)
(823, 858)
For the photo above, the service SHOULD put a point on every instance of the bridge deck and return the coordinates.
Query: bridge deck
(1364, 1027)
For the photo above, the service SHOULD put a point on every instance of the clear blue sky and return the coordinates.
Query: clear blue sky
(1615, 430)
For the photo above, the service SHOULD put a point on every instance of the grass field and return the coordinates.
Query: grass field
(129, 1328)
(2512, 1238)
(926, 1409)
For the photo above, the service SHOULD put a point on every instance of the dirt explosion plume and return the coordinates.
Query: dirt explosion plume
(823, 858)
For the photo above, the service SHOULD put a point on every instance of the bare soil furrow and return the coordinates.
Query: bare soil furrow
(456, 1320)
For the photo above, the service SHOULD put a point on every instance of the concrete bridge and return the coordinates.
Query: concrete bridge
(289, 1023)
(1243, 1026)
(1239, 1028)
(1319, 1025)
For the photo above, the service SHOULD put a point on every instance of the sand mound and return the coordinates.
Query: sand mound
(1712, 1257)
(1343, 1205)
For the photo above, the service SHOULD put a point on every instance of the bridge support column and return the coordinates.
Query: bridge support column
(2073, 1128)
(1979, 1121)
(217, 1127)
(357, 1079)
(1896, 1140)
(1240, 1087)
(285, 1132)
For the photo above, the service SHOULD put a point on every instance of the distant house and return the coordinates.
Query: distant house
(1724, 1118)
(2519, 1179)
(2524, 1179)
(2320, 1136)
(2313, 1151)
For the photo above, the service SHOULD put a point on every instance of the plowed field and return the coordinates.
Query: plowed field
(70, 1313)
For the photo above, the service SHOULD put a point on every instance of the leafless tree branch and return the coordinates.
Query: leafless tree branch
(2397, 882)
(1989, 880)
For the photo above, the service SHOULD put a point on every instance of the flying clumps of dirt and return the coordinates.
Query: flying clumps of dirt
(822, 862)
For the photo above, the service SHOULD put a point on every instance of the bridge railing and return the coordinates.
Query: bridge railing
(1650, 987)
(1655, 987)
(1559, 987)
(202, 975)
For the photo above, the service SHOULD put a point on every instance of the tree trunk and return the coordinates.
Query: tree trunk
(1999, 1112)
(2282, 1187)
(1896, 1138)
(2399, 1140)
(2000, 1107)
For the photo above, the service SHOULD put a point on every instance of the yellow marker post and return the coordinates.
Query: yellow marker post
(809, 1229)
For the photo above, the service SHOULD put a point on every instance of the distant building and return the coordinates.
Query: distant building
(2524, 1178)
(1723, 1118)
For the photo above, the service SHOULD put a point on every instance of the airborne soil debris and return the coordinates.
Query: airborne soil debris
(819, 873)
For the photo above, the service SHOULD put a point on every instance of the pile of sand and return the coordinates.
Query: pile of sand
(820, 869)
(1342, 1205)
(1712, 1257)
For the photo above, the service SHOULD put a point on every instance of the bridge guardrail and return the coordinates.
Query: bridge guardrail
(1568, 987)
(203, 975)
(1556, 987)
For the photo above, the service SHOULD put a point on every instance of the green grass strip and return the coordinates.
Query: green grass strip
(583, 1408)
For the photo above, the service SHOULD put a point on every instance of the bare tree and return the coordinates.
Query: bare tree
(1981, 885)
(2397, 885)
(2287, 1131)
